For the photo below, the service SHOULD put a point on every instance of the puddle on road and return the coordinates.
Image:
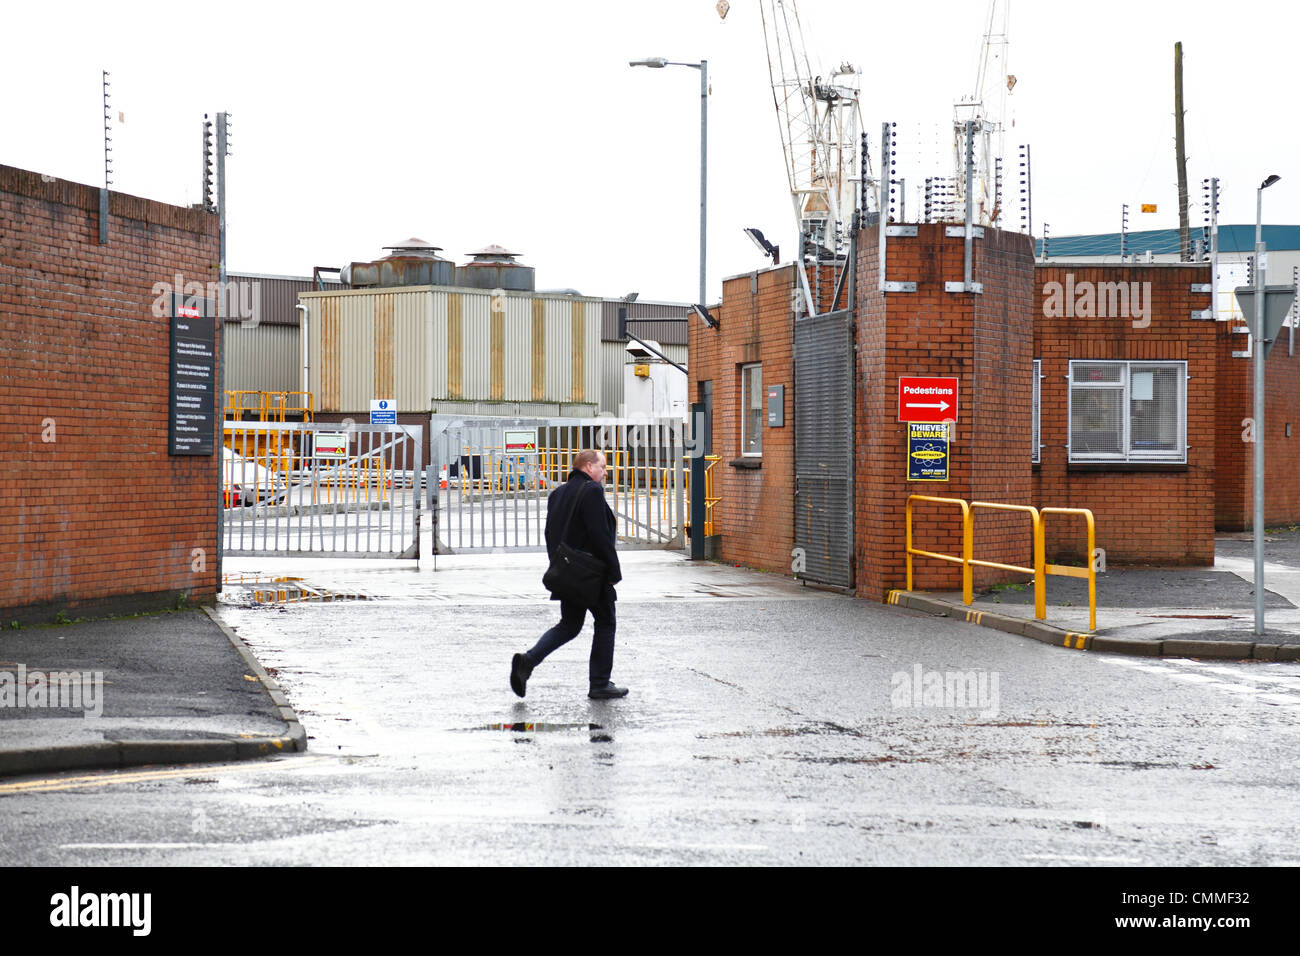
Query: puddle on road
(277, 590)
(528, 726)
(822, 729)
(599, 735)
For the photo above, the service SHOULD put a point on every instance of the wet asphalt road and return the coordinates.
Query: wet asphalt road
(780, 726)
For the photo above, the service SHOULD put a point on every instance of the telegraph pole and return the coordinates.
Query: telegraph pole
(1180, 149)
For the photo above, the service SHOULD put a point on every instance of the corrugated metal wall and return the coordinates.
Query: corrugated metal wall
(266, 358)
(368, 345)
(514, 409)
(666, 333)
(276, 296)
(452, 345)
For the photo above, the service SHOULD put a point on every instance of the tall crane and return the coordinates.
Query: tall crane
(986, 109)
(820, 120)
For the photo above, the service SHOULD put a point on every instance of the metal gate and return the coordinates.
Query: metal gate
(488, 488)
(823, 402)
(326, 490)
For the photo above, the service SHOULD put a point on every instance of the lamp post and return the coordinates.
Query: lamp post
(1258, 345)
(658, 63)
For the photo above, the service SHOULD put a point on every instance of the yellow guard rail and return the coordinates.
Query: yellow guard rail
(1040, 570)
(964, 560)
(1090, 572)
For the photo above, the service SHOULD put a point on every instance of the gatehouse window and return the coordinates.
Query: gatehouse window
(751, 410)
(1038, 399)
(1128, 411)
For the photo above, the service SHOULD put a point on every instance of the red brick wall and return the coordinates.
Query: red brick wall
(986, 342)
(1233, 461)
(1161, 514)
(1234, 458)
(100, 517)
(756, 514)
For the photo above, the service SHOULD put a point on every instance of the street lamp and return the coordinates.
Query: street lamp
(658, 63)
(1258, 344)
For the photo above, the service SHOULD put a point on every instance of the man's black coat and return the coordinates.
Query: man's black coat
(592, 529)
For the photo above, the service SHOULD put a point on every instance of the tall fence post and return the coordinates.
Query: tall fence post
(697, 482)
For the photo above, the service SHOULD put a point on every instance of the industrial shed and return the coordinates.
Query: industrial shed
(476, 339)
(453, 350)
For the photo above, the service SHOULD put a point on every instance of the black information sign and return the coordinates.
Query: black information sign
(191, 400)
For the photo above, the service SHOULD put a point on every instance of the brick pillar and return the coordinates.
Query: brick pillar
(987, 342)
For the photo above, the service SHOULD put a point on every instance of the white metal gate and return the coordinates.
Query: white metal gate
(488, 491)
(327, 490)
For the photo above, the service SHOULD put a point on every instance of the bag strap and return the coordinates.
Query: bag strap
(572, 508)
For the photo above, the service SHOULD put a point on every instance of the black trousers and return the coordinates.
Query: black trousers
(572, 617)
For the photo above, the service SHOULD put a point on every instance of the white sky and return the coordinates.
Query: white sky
(519, 122)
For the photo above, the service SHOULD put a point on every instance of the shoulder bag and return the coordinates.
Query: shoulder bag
(575, 575)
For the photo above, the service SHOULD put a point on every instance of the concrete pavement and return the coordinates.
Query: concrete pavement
(159, 688)
(1154, 612)
(181, 687)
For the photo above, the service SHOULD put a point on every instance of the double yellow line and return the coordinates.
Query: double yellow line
(112, 777)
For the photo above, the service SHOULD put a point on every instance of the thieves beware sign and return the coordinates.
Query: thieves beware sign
(927, 399)
(927, 451)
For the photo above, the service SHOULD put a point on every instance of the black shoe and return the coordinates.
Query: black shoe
(521, 668)
(606, 691)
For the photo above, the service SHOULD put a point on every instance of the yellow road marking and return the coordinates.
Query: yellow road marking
(110, 777)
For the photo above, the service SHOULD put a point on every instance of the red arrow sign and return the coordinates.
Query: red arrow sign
(927, 399)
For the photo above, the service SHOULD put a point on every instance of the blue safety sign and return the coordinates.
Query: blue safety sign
(927, 451)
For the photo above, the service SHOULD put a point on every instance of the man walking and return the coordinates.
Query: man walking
(591, 529)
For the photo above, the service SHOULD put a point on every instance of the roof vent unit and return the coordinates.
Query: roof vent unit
(638, 352)
(413, 262)
(494, 267)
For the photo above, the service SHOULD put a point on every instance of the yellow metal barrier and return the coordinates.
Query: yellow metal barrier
(279, 446)
(269, 406)
(1040, 570)
(711, 497)
(1040, 582)
(964, 560)
(1090, 572)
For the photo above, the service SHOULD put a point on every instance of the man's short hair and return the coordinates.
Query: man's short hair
(584, 458)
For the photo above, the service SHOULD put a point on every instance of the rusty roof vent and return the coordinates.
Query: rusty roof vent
(494, 267)
(412, 262)
(494, 253)
(414, 247)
